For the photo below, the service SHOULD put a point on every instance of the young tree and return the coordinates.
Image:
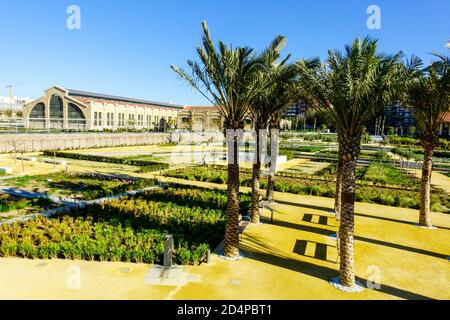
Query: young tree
(352, 87)
(429, 95)
(228, 78)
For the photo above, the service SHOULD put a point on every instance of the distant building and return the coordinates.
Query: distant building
(200, 118)
(444, 130)
(203, 118)
(297, 110)
(399, 117)
(68, 109)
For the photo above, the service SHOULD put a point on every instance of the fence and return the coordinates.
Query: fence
(72, 141)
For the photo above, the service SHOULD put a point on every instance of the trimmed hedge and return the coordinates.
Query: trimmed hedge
(88, 157)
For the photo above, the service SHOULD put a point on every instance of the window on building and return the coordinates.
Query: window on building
(38, 112)
(56, 107)
(95, 119)
(110, 119)
(131, 120)
(149, 121)
(74, 112)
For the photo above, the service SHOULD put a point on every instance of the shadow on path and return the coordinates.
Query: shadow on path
(268, 255)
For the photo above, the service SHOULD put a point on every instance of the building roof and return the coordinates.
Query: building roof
(446, 118)
(200, 108)
(85, 96)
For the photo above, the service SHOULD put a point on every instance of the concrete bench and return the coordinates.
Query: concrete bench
(32, 159)
(52, 161)
(6, 170)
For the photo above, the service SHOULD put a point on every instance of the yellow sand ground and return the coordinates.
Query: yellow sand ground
(437, 179)
(310, 167)
(291, 259)
(7, 160)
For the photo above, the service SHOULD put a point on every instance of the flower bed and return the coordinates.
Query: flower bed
(131, 229)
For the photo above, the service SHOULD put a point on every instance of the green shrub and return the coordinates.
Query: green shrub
(131, 229)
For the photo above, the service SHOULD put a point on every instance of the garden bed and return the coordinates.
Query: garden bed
(13, 207)
(405, 195)
(131, 229)
(80, 186)
(149, 164)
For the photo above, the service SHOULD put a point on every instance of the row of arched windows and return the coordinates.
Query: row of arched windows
(57, 110)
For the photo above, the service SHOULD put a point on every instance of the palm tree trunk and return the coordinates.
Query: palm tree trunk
(270, 192)
(231, 249)
(338, 195)
(256, 174)
(349, 154)
(425, 190)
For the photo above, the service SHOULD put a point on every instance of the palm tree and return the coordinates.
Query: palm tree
(229, 78)
(266, 105)
(283, 97)
(429, 95)
(351, 87)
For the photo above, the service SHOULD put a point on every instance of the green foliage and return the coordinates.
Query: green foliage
(384, 174)
(391, 187)
(87, 185)
(309, 149)
(288, 153)
(408, 154)
(10, 203)
(131, 229)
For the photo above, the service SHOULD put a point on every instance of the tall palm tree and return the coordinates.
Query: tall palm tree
(283, 97)
(429, 95)
(266, 105)
(230, 79)
(351, 87)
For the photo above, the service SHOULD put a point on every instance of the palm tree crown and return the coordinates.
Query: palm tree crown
(228, 77)
(354, 86)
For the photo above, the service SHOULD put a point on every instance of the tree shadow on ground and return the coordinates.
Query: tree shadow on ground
(260, 251)
(327, 209)
(328, 232)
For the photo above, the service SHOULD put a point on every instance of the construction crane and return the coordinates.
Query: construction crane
(11, 96)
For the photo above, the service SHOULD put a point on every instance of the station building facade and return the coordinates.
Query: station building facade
(67, 109)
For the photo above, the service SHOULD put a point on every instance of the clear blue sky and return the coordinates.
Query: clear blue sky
(127, 47)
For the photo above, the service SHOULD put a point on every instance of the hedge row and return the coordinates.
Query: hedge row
(89, 157)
